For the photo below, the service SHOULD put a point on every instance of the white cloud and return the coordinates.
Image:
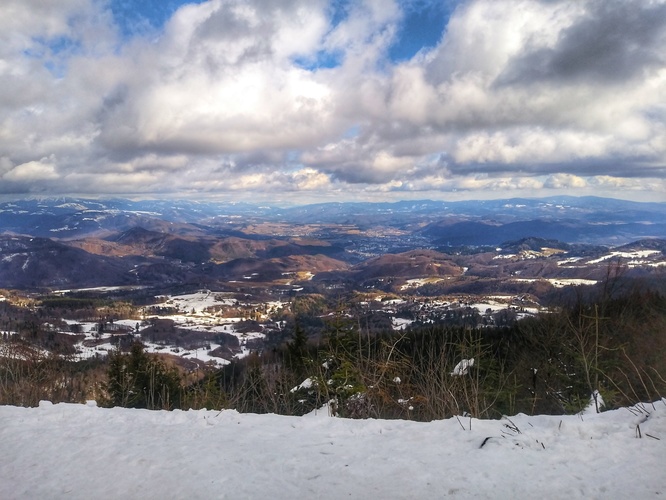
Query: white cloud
(565, 181)
(32, 171)
(461, 89)
(526, 145)
(615, 183)
(311, 180)
(223, 80)
(237, 96)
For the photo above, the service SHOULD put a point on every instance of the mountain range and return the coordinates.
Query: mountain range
(56, 243)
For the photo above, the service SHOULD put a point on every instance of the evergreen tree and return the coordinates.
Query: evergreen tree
(138, 380)
(297, 352)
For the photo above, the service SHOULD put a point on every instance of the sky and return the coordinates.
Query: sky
(298, 101)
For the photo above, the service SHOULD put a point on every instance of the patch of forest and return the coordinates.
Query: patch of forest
(613, 342)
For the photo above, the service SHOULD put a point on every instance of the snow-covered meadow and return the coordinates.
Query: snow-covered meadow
(636, 257)
(203, 311)
(212, 313)
(82, 451)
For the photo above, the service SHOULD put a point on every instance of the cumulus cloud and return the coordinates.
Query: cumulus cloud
(252, 96)
(43, 169)
(612, 41)
(232, 76)
(559, 181)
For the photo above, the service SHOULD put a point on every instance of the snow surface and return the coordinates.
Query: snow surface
(462, 367)
(636, 254)
(195, 316)
(82, 451)
(558, 282)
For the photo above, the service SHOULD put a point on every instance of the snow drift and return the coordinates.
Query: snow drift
(82, 451)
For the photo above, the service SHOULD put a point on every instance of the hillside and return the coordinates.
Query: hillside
(81, 451)
(147, 243)
(34, 262)
(147, 258)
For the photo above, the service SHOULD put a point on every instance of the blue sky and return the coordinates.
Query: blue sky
(422, 25)
(421, 28)
(139, 17)
(317, 100)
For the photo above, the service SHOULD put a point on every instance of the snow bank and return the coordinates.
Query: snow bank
(82, 451)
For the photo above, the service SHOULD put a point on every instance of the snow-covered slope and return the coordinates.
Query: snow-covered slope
(82, 451)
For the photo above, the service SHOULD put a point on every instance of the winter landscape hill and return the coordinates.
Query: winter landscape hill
(76, 243)
(332, 249)
(423, 323)
(204, 283)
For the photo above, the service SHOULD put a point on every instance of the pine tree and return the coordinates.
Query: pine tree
(139, 380)
(297, 352)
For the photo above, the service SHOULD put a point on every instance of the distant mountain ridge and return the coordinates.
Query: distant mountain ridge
(568, 219)
(37, 263)
(53, 242)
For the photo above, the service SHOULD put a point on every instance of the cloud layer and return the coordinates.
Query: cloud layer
(252, 98)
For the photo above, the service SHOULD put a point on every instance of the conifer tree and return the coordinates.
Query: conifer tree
(139, 380)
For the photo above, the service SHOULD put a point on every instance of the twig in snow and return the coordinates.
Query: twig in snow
(513, 426)
(633, 412)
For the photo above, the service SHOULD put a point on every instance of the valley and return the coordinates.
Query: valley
(204, 286)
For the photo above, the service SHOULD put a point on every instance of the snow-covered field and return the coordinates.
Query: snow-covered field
(417, 282)
(199, 301)
(558, 282)
(636, 254)
(197, 312)
(81, 451)
(103, 345)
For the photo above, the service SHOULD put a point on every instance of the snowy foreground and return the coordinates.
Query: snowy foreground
(82, 451)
